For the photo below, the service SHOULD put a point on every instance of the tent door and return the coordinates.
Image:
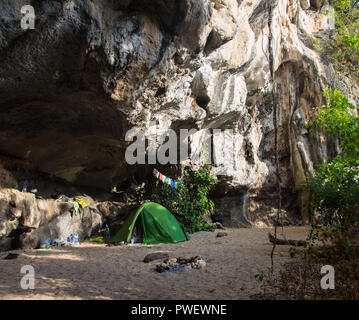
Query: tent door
(137, 232)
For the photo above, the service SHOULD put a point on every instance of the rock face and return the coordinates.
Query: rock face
(26, 220)
(91, 70)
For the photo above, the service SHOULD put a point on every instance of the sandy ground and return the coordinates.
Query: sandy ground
(94, 271)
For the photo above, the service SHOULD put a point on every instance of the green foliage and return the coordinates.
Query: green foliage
(335, 191)
(343, 49)
(334, 186)
(189, 201)
(262, 279)
(338, 119)
(293, 252)
(301, 278)
(97, 239)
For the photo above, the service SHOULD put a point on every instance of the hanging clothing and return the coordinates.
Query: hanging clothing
(76, 207)
(167, 180)
(81, 202)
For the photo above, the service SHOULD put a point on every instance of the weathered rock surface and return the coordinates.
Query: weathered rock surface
(5, 244)
(26, 220)
(91, 70)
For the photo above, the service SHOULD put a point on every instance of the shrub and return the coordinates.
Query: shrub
(334, 186)
(189, 201)
(343, 48)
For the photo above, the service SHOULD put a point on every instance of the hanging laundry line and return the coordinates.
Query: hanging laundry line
(167, 180)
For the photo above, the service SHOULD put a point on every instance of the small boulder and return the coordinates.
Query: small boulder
(222, 234)
(11, 256)
(170, 261)
(182, 260)
(199, 264)
(219, 225)
(162, 268)
(155, 256)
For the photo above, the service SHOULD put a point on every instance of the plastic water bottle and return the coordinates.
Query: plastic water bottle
(76, 239)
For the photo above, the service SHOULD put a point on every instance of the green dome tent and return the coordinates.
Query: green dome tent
(155, 223)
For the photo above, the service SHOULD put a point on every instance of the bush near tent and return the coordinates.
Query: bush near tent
(189, 202)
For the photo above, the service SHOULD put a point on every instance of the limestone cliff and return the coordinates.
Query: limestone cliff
(91, 70)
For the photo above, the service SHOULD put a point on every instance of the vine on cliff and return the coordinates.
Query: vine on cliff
(275, 122)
